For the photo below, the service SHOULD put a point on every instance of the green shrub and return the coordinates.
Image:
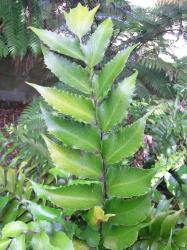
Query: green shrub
(99, 202)
(95, 142)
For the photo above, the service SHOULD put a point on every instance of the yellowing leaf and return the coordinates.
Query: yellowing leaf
(80, 19)
(95, 216)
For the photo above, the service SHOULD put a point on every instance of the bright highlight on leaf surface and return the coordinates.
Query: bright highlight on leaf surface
(62, 44)
(77, 106)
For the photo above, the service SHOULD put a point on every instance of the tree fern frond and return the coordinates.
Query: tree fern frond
(18, 39)
(156, 64)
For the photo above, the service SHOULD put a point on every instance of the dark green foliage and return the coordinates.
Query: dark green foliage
(15, 17)
(26, 140)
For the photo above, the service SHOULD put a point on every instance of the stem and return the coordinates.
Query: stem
(103, 177)
(103, 171)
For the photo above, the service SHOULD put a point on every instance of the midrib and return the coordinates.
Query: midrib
(131, 182)
(73, 198)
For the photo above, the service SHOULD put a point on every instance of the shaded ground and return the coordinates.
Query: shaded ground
(10, 112)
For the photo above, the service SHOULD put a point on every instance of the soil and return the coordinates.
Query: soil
(10, 112)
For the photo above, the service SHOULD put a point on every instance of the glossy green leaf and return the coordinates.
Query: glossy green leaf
(77, 197)
(124, 143)
(127, 182)
(41, 212)
(75, 162)
(156, 225)
(95, 48)
(41, 242)
(92, 237)
(68, 46)
(119, 237)
(128, 212)
(180, 238)
(114, 109)
(3, 202)
(67, 72)
(74, 134)
(80, 19)
(77, 106)
(11, 212)
(14, 229)
(18, 243)
(4, 244)
(61, 241)
(169, 244)
(157, 245)
(169, 223)
(110, 71)
(11, 180)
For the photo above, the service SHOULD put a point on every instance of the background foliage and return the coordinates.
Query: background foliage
(161, 92)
